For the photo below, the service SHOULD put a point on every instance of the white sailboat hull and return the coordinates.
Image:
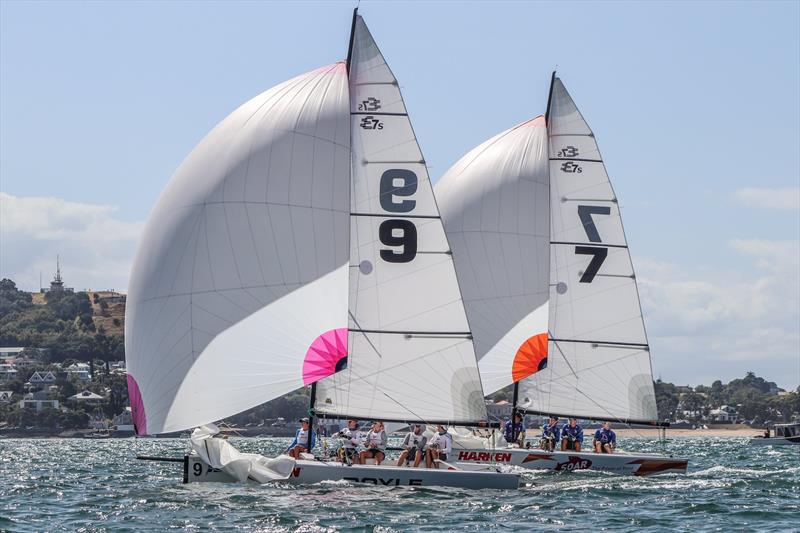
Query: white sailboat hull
(195, 470)
(617, 463)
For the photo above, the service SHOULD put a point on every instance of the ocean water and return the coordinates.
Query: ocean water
(83, 485)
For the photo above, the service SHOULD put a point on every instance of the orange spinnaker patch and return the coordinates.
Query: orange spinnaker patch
(530, 358)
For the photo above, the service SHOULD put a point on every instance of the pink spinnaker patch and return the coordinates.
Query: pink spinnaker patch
(324, 355)
(137, 406)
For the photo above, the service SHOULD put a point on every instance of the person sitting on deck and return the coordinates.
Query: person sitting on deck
(514, 431)
(571, 436)
(375, 443)
(300, 443)
(605, 440)
(413, 445)
(551, 434)
(439, 447)
(351, 438)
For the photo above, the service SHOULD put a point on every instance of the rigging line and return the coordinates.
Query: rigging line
(363, 332)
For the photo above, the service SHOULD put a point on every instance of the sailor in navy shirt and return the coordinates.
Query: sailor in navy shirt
(605, 440)
(571, 436)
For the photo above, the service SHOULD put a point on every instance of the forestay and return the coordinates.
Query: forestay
(495, 208)
(411, 356)
(599, 365)
(242, 268)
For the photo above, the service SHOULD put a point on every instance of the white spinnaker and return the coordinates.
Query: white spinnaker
(243, 262)
(599, 365)
(410, 353)
(495, 204)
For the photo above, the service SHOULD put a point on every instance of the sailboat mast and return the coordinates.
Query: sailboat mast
(352, 36)
(311, 415)
(549, 100)
(514, 412)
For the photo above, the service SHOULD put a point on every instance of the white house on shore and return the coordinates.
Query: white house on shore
(724, 415)
(87, 397)
(38, 400)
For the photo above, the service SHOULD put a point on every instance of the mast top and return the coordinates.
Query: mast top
(352, 36)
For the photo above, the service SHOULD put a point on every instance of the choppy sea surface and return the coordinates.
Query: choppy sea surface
(84, 485)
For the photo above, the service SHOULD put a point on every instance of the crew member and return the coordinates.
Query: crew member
(351, 439)
(375, 443)
(413, 446)
(571, 436)
(605, 440)
(551, 434)
(300, 443)
(439, 447)
(515, 431)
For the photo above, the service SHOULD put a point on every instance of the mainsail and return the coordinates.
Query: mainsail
(410, 350)
(495, 205)
(239, 290)
(597, 364)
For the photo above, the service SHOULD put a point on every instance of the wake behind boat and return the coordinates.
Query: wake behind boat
(300, 244)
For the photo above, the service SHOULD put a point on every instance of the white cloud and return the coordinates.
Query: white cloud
(95, 246)
(779, 198)
(709, 324)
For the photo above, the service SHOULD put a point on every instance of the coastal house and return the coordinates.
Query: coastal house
(38, 400)
(5, 396)
(10, 352)
(123, 421)
(79, 372)
(87, 397)
(7, 372)
(499, 410)
(724, 415)
(41, 379)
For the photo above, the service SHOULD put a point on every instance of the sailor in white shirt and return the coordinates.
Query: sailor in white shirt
(351, 440)
(439, 447)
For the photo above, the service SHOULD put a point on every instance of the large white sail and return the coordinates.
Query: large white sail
(239, 289)
(599, 364)
(411, 356)
(495, 205)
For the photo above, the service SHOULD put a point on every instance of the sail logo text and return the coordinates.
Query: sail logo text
(571, 167)
(568, 151)
(502, 457)
(370, 104)
(371, 123)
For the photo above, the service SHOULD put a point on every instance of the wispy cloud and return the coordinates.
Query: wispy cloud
(766, 198)
(707, 324)
(96, 247)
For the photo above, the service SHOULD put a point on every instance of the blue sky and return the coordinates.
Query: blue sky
(696, 107)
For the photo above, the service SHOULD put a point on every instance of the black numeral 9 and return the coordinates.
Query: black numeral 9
(407, 239)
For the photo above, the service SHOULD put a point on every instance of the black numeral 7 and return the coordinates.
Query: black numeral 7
(598, 256)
